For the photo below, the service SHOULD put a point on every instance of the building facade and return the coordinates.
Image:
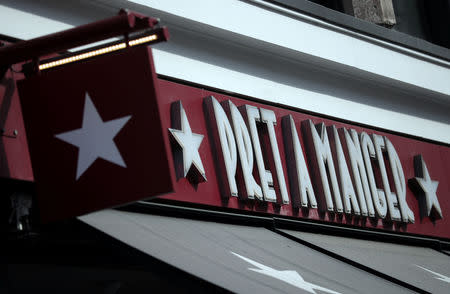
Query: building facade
(234, 221)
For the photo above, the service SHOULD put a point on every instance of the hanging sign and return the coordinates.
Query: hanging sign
(95, 134)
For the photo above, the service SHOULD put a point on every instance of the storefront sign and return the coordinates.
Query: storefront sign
(95, 134)
(96, 141)
(240, 154)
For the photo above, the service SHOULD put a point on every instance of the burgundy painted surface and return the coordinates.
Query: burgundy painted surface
(14, 157)
(119, 85)
(437, 158)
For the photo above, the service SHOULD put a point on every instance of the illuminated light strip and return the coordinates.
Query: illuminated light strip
(82, 56)
(97, 52)
(143, 40)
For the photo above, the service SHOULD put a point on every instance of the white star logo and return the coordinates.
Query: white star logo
(95, 139)
(189, 142)
(291, 277)
(427, 186)
(437, 275)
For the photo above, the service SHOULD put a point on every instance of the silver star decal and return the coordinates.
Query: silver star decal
(427, 186)
(291, 277)
(189, 142)
(437, 275)
(95, 138)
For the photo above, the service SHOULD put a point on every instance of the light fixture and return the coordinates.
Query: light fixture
(142, 40)
(124, 24)
(82, 56)
(160, 34)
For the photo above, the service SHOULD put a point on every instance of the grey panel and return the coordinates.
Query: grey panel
(422, 267)
(224, 255)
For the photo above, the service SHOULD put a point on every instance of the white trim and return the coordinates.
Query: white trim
(24, 25)
(304, 37)
(219, 77)
(352, 33)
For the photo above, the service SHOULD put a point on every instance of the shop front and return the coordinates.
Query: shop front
(225, 161)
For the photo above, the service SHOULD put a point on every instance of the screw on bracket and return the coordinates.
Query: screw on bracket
(14, 133)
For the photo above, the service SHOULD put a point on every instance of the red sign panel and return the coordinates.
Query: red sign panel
(240, 154)
(95, 134)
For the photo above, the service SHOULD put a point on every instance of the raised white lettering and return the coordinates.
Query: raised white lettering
(321, 161)
(391, 198)
(399, 181)
(244, 145)
(227, 144)
(301, 186)
(347, 191)
(265, 176)
(359, 172)
(268, 117)
(379, 198)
